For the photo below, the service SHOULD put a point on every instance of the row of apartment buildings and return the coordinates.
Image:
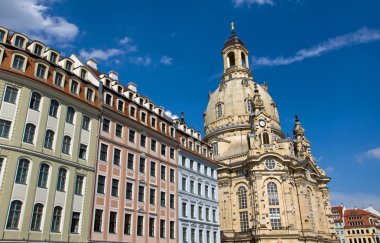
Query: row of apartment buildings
(357, 225)
(85, 158)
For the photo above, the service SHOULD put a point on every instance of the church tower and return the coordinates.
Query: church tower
(270, 186)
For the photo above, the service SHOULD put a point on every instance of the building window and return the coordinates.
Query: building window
(192, 235)
(141, 194)
(119, 130)
(106, 125)
(58, 79)
(184, 210)
(90, 94)
(130, 160)
(5, 127)
(19, 42)
(83, 151)
(192, 211)
(131, 136)
(151, 227)
(163, 199)
(2, 35)
(163, 149)
(153, 122)
(143, 117)
(98, 220)
(112, 223)
(184, 184)
(74, 87)
(199, 189)
(101, 184)
(38, 209)
(140, 225)
(49, 139)
(19, 62)
(270, 164)
(41, 71)
(215, 148)
(214, 215)
(163, 172)
(35, 101)
(184, 161)
(171, 201)
(213, 193)
(14, 214)
(115, 188)
(43, 175)
(275, 220)
(53, 109)
(171, 172)
(61, 179)
(142, 140)
(219, 110)
(265, 138)
(192, 187)
(66, 145)
(22, 171)
(142, 165)
(152, 196)
(116, 156)
(103, 152)
(128, 190)
(272, 193)
(171, 229)
(120, 105)
(68, 66)
(70, 115)
(152, 168)
(75, 218)
(162, 228)
(153, 145)
(127, 224)
(53, 57)
(200, 236)
(172, 155)
(79, 180)
(83, 74)
(56, 222)
(30, 130)
(244, 225)
(242, 197)
(10, 95)
(108, 100)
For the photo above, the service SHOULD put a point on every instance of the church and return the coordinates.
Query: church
(270, 186)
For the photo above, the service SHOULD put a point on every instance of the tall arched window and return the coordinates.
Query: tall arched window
(231, 59)
(43, 175)
(22, 171)
(272, 193)
(66, 145)
(14, 215)
(243, 63)
(49, 139)
(30, 130)
(53, 109)
(35, 101)
(37, 216)
(61, 179)
(265, 138)
(242, 197)
(249, 106)
(219, 110)
(70, 115)
(56, 222)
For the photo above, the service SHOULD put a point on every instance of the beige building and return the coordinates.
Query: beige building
(270, 187)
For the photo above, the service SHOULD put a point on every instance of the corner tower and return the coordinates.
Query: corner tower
(270, 186)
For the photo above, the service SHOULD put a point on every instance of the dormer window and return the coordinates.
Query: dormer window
(19, 42)
(219, 110)
(141, 101)
(120, 89)
(108, 82)
(120, 105)
(53, 57)
(19, 63)
(2, 35)
(68, 66)
(41, 71)
(83, 74)
(108, 99)
(90, 94)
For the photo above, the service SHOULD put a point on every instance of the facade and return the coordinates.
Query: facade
(198, 207)
(270, 186)
(338, 213)
(361, 226)
(48, 126)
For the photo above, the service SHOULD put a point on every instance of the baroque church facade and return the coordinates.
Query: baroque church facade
(270, 186)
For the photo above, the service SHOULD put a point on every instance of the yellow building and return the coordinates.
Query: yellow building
(270, 187)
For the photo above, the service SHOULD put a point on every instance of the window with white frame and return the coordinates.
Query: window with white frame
(272, 193)
(68, 66)
(19, 42)
(53, 57)
(38, 49)
(89, 94)
(19, 62)
(242, 197)
(244, 225)
(275, 218)
(74, 87)
(58, 79)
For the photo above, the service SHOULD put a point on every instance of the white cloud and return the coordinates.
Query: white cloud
(100, 54)
(32, 17)
(330, 169)
(369, 154)
(350, 200)
(239, 3)
(360, 36)
(166, 60)
(128, 44)
(140, 60)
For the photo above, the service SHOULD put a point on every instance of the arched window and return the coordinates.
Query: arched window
(18, 62)
(43, 175)
(249, 106)
(58, 80)
(38, 49)
(37, 216)
(108, 82)
(108, 99)
(22, 171)
(61, 179)
(120, 105)
(56, 222)
(243, 63)
(242, 197)
(14, 215)
(53, 109)
(49, 139)
(35, 101)
(70, 115)
(19, 41)
(231, 59)
(215, 148)
(66, 145)
(272, 193)
(41, 71)
(30, 130)
(219, 110)
(265, 138)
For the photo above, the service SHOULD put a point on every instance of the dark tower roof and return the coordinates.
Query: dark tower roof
(233, 39)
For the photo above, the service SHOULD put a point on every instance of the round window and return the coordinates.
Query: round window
(270, 164)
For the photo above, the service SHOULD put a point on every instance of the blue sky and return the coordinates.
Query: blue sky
(321, 60)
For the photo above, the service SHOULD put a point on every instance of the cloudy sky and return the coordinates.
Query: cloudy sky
(321, 60)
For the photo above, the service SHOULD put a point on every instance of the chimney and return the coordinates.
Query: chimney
(92, 63)
(132, 86)
(113, 75)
